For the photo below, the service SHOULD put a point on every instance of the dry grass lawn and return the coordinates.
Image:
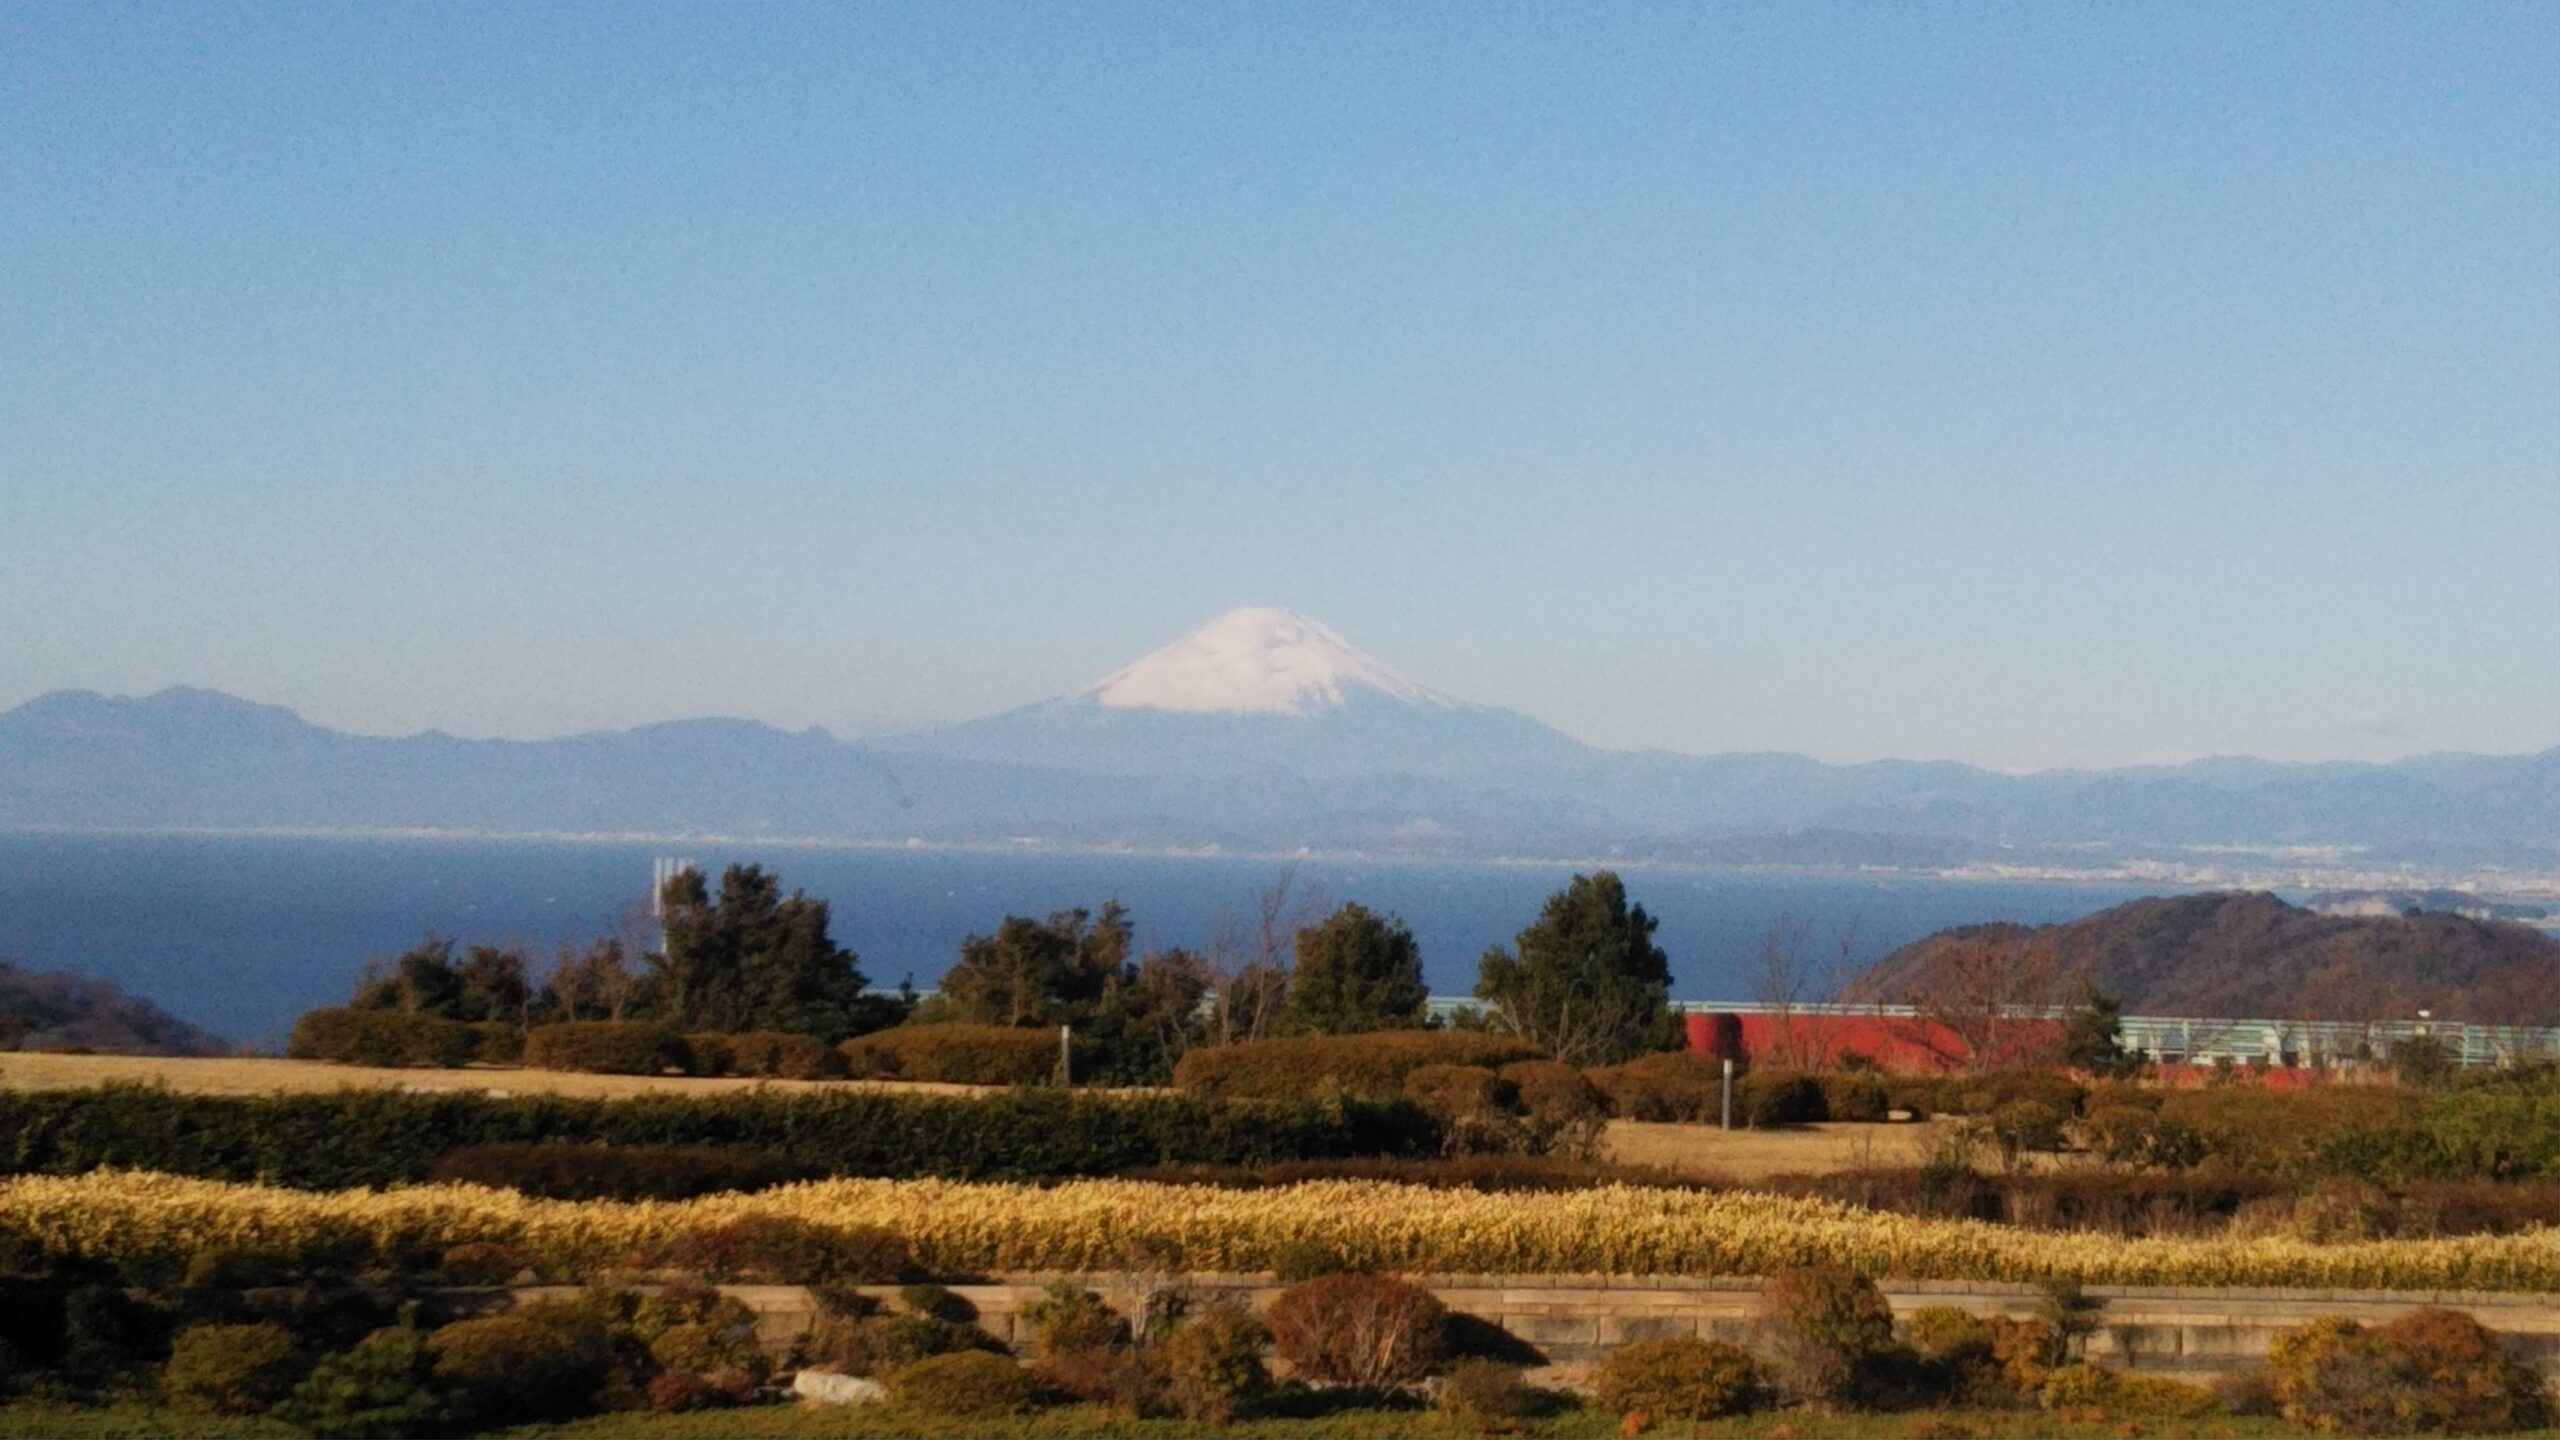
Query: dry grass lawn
(263, 1075)
(1746, 1155)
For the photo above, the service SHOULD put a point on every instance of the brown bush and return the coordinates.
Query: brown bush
(1824, 1329)
(1769, 1099)
(956, 1054)
(968, 1385)
(1564, 1112)
(604, 1047)
(1857, 1095)
(506, 1369)
(233, 1369)
(1211, 1364)
(877, 1344)
(390, 1038)
(1478, 1110)
(781, 1250)
(707, 1054)
(1675, 1085)
(1489, 1393)
(1372, 1066)
(782, 1055)
(1368, 1330)
(483, 1262)
(1068, 1319)
(1683, 1379)
(1119, 1380)
(2432, 1370)
(2146, 1397)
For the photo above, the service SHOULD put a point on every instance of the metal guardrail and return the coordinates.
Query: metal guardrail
(2202, 1039)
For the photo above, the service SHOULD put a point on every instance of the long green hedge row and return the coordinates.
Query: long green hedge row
(382, 1137)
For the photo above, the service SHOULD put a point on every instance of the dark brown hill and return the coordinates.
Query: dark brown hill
(58, 1010)
(2249, 954)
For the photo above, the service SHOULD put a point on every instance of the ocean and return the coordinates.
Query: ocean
(241, 933)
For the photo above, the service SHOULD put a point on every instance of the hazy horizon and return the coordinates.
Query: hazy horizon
(2024, 387)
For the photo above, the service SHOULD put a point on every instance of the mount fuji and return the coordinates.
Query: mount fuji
(1262, 729)
(1262, 690)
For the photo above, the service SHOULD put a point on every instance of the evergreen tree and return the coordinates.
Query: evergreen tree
(2093, 1037)
(1038, 972)
(1356, 971)
(489, 984)
(756, 959)
(1587, 984)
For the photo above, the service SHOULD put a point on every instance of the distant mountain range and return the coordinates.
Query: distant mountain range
(1263, 730)
(2242, 954)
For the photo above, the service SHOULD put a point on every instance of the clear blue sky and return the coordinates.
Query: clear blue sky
(2024, 384)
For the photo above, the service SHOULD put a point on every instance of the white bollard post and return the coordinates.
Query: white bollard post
(1728, 1092)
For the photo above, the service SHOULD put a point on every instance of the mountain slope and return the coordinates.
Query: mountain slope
(55, 1010)
(2250, 954)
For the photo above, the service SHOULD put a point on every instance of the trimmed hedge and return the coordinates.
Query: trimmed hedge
(385, 1137)
(392, 1038)
(605, 1047)
(1373, 1065)
(766, 1054)
(1675, 1085)
(616, 1172)
(956, 1054)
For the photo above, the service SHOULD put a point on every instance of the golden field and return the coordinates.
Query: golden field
(954, 1227)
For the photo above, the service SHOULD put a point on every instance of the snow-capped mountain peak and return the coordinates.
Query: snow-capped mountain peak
(1255, 661)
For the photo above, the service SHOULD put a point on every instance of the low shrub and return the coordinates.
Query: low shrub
(359, 1138)
(1682, 1379)
(707, 1054)
(1477, 1110)
(1824, 1329)
(783, 1055)
(1769, 1099)
(522, 1366)
(1119, 1380)
(956, 1054)
(390, 1038)
(1857, 1095)
(2021, 1126)
(1068, 1319)
(969, 1385)
(1489, 1393)
(616, 1172)
(877, 1344)
(233, 1369)
(2125, 1394)
(783, 1250)
(2140, 1137)
(382, 1388)
(604, 1047)
(1672, 1086)
(495, 1042)
(1211, 1365)
(2431, 1370)
(1372, 1065)
(483, 1262)
(1367, 1330)
(1563, 1112)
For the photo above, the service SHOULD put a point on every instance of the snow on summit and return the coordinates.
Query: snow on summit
(1255, 661)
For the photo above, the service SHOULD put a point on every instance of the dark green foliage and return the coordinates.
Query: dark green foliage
(511, 1368)
(1149, 1015)
(752, 958)
(382, 1037)
(383, 1137)
(233, 1369)
(383, 1388)
(2424, 1062)
(616, 1172)
(1826, 1331)
(956, 1054)
(1585, 983)
(781, 1250)
(2093, 1037)
(877, 1344)
(605, 1047)
(1212, 1363)
(1854, 1095)
(1371, 1066)
(1036, 972)
(1357, 971)
(1372, 1331)
(969, 1385)
(1490, 1393)
(1769, 1099)
(1477, 1110)
(1683, 1379)
(1068, 1318)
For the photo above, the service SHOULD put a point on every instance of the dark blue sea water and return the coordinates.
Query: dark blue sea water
(240, 934)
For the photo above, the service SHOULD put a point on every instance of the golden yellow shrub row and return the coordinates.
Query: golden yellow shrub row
(956, 1227)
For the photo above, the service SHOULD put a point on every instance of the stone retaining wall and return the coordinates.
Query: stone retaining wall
(1569, 1320)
